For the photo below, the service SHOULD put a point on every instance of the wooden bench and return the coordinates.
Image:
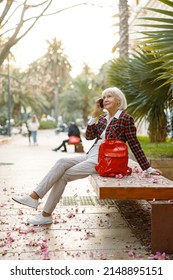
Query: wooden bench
(78, 147)
(157, 190)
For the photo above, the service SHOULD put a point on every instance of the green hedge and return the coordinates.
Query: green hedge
(47, 124)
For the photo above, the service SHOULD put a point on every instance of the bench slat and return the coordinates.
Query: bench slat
(132, 192)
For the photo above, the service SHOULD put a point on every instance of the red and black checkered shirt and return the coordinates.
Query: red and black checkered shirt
(122, 129)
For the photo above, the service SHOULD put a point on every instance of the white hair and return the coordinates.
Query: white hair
(118, 93)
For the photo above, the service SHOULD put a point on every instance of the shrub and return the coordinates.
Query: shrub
(48, 124)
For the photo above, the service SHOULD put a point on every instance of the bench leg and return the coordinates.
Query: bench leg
(162, 227)
(79, 148)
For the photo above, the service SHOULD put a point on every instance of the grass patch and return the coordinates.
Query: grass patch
(156, 150)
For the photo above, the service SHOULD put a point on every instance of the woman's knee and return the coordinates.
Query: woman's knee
(66, 176)
(61, 161)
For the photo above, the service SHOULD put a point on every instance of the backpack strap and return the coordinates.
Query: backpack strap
(97, 139)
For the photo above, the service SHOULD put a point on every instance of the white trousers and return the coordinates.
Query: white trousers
(64, 171)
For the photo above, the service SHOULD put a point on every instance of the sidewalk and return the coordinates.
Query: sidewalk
(83, 227)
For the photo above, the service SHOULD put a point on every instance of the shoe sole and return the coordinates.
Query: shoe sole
(43, 224)
(24, 203)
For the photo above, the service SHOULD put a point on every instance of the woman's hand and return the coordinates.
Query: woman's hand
(156, 172)
(97, 109)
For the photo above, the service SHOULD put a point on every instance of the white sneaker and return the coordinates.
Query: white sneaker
(26, 200)
(40, 220)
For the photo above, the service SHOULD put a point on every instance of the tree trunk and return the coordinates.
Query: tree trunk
(56, 92)
(123, 28)
(158, 127)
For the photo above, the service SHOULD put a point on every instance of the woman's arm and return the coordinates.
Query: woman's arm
(130, 132)
(92, 127)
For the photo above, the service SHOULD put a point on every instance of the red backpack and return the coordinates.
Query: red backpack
(113, 159)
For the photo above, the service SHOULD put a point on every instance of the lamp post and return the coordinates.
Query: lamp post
(56, 103)
(9, 99)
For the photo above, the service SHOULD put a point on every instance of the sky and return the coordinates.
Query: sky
(86, 32)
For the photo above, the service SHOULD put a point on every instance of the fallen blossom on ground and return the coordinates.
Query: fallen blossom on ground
(43, 248)
(56, 220)
(119, 176)
(20, 212)
(136, 169)
(33, 230)
(155, 180)
(70, 215)
(2, 204)
(33, 243)
(89, 234)
(132, 254)
(104, 180)
(4, 252)
(145, 175)
(157, 256)
(101, 256)
(6, 241)
(77, 228)
(78, 254)
(91, 254)
(25, 230)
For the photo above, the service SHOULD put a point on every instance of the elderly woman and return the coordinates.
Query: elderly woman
(115, 124)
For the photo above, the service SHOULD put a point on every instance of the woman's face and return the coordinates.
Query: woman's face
(111, 102)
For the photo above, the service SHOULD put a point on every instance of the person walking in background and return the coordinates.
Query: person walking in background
(73, 130)
(24, 129)
(29, 132)
(33, 126)
(115, 123)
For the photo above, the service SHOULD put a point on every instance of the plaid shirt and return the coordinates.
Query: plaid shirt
(122, 129)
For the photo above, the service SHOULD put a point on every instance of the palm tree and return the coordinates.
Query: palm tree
(56, 63)
(49, 74)
(123, 28)
(83, 87)
(160, 37)
(70, 105)
(146, 98)
(147, 77)
(78, 98)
